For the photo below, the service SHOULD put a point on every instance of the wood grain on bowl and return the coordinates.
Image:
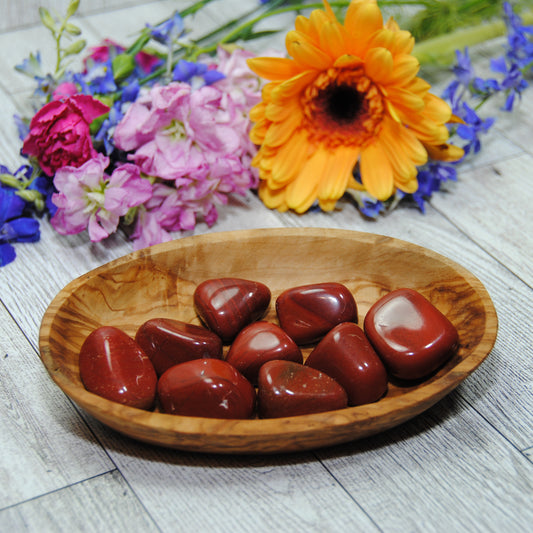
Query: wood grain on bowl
(159, 282)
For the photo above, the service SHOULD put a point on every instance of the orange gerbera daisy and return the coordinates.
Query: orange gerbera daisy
(349, 96)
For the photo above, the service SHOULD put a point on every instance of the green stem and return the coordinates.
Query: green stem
(441, 49)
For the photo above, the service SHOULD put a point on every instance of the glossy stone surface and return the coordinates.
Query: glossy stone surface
(258, 343)
(308, 312)
(286, 388)
(346, 355)
(168, 342)
(227, 305)
(207, 388)
(113, 366)
(410, 334)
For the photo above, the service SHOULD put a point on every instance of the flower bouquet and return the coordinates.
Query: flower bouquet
(155, 136)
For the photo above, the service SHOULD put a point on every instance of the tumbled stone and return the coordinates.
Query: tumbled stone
(227, 305)
(286, 388)
(308, 312)
(410, 334)
(346, 355)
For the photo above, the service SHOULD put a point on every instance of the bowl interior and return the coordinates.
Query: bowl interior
(160, 282)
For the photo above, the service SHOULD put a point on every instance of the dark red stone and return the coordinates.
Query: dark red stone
(168, 342)
(226, 305)
(346, 355)
(258, 343)
(308, 312)
(286, 388)
(113, 366)
(207, 388)
(412, 337)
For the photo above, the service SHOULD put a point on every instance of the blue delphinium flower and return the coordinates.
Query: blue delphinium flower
(14, 225)
(430, 178)
(370, 207)
(98, 79)
(513, 83)
(116, 113)
(466, 83)
(196, 74)
(520, 48)
(473, 127)
(169, 30)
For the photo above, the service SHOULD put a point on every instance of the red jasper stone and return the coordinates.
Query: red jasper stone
(258, 343)
(207, 388)
(410, 334)
(168, 342)
(346, 355)
(308, 312)
(226, 305)
(113, 366)
(287, 388)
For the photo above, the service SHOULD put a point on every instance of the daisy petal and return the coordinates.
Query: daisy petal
(289, 158)
(274, 68)
(361, 22)
(339, 171)
(302, 192)
(376, 172)
(306, 53)
(379, 64)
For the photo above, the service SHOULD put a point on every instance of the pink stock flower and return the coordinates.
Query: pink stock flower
(90, 199)
(240, 83)
(196, 142)
(60, 135)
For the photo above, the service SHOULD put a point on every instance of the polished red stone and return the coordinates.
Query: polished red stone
(410, 334)
(346, 355)
(258, 343)
(286, 388)
(168, 342)
(308, 312)
(227, 305)
(207, 388)
(113, 366)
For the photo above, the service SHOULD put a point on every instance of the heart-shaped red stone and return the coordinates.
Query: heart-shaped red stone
(346, 355)
(410, 334)
(286, 388)
(226, 305)
(168, 342)
(113, 366)
(207, 388)
(258, 343)
(308, 312)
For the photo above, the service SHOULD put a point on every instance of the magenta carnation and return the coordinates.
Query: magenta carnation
(60, 135)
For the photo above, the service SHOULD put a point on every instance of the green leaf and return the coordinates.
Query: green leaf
(259, 34)
(75, 48)
(47, 19)
(72, 8)
(96, 124)
(123, 65)
(72, 29)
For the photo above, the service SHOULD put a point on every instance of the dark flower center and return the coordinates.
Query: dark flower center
(343, 103)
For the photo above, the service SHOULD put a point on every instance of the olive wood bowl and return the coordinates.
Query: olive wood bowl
(160, 281)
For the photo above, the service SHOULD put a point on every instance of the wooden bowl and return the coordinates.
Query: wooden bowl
(160, 281)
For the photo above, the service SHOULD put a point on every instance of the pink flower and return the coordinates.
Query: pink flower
(90, 199)
(59, 132)
(242, 85)
(103, 52)
(196, 143)
(64, 90)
